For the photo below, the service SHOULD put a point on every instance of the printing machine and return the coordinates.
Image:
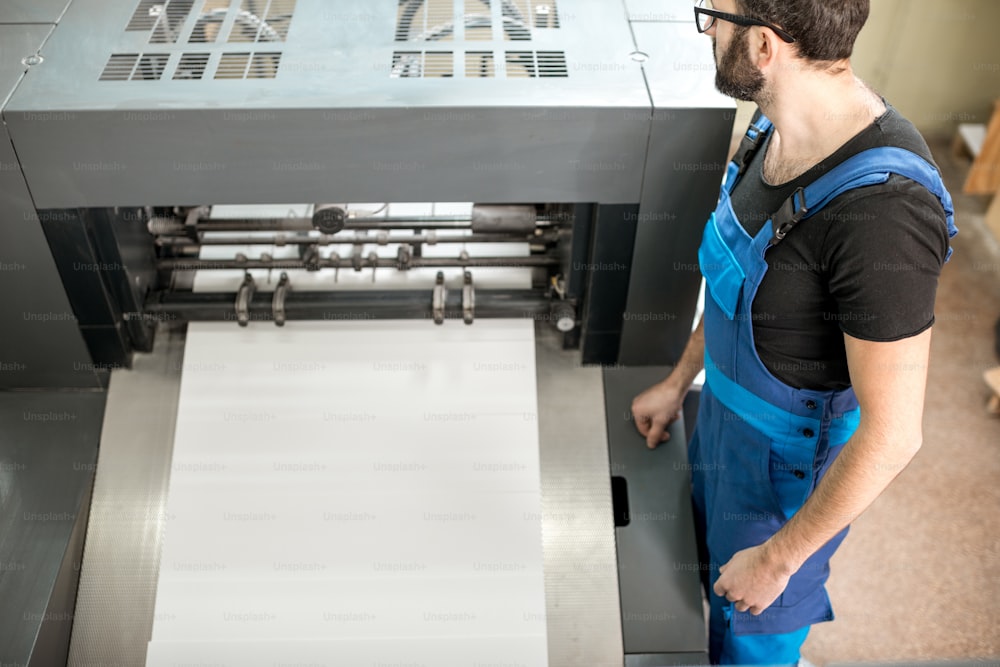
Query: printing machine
(588, 131)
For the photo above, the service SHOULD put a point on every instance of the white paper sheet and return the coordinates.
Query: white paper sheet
(351, 493)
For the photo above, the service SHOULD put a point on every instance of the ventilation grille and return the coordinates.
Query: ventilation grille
(248, 65)
(479, 20)
(478, 64)
(529, 64)
(426, 20)
(245, 21)
(206, 23)
(270, 25)
(542, 14)
(135, 67)
(171, 21)
(191, 66)
(146, 15)
(420, 64)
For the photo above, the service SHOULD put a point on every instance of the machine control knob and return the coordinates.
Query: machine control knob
(563, 315)
(329, 219)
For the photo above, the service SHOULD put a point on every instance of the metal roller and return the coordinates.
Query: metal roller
(501, 218)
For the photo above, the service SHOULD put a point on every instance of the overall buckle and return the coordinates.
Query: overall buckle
(789, 215)
(748, 146)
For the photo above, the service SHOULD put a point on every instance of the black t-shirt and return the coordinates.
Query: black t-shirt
(867, 264)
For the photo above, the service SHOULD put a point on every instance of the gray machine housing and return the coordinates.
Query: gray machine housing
(606, 110)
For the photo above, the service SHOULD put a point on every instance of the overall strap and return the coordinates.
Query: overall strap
(748, 146)
(870, 167)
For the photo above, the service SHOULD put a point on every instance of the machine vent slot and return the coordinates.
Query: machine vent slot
(478, 21)
(516, 23)
(552, 63)
(437, 21)
(277, 19)
(150, 67)
(145, 15)
(119, 67)
(191, 66)
(521, 65)
(420, 64)
(209, 24)
(479, 65)
(233, 66)
(248, 65)
(539, 14)
(135, 67)
(426, 20)
(264, 65)
(529, 65)
(262, 21)
(406, 64)
(171, 21)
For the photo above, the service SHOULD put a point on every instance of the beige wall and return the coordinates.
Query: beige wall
(937, 61)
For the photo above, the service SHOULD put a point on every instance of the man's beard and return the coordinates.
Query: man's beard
(736, 76)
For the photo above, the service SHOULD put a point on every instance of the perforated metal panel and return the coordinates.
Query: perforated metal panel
(117, 591)
(581, 568)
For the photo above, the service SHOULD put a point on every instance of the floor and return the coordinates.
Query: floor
(918, 576)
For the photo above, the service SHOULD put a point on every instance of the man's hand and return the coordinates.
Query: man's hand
(752, 580)
(655, 409)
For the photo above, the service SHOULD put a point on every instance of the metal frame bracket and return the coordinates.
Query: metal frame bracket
(439, 298)
(278, 302)
(243, 299)
(468, 298)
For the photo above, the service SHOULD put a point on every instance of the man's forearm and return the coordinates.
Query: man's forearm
(865, 467)
(691, 361)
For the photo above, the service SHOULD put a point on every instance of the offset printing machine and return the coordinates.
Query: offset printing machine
(137, 137)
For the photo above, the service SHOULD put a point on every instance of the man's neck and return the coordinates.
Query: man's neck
(813, 116)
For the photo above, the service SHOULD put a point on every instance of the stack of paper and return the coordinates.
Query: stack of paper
(354, 493)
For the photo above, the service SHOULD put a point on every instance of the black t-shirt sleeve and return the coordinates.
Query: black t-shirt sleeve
(884, 252)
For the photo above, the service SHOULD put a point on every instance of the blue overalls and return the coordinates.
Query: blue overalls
(761, 446)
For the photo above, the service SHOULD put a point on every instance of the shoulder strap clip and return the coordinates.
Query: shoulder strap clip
(748, 146)
(789, 215)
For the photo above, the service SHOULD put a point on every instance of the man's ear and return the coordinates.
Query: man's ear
(764, 46)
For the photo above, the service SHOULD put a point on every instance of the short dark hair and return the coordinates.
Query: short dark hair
(824, 30)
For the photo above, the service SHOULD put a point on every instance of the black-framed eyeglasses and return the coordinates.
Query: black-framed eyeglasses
(704, 18)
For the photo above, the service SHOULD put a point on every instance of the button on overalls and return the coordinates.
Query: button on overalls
(761, 446)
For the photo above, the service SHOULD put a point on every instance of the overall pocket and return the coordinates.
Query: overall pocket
(722, 272)
(791, 469)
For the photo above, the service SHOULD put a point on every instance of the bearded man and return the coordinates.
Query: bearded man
(821, 264)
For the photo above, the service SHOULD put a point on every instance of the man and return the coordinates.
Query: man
(821, 265)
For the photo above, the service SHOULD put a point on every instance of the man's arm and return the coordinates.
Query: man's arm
(889, 380)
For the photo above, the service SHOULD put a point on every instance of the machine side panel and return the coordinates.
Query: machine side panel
(608, 273)
(686, 160)
(40, 342)
(658, 560)
(48, 454)
(685, 164)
